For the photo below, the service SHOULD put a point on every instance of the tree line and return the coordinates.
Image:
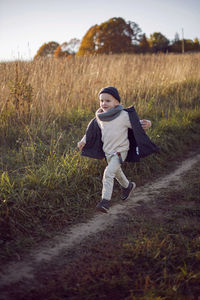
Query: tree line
(117, 36)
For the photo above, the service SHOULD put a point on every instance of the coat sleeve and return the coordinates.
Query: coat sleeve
(144, 143)
(140, 144)
(94, 146)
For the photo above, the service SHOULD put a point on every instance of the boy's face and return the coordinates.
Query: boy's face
(107, 101)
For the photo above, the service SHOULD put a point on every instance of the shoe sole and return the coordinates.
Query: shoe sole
(133, 188)
(102, 209)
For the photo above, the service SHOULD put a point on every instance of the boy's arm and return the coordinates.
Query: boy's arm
(82, 142)
(146, 124)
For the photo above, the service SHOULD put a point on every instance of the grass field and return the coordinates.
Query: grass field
(153, 253)
(45, 106)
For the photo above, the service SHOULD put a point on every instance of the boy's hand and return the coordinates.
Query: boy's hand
(80, 145)
(146, 124)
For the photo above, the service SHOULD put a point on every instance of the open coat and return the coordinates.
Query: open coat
(140, 143)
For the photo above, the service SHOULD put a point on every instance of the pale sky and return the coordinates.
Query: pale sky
(27, 24)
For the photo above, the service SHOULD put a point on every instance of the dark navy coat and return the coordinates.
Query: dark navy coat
(140, 143)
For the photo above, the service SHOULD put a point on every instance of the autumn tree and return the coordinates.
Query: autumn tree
(67, 48)
(73, 46)
(47, 50)
(144, 44)
(189, 46)
(196, 44)
(88, 44)
(158, 42)
(113, 36)
(176, 44)
(61, 51)
(175, 47)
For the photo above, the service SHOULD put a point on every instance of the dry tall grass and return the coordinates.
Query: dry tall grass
(45, 106)
(62, 84)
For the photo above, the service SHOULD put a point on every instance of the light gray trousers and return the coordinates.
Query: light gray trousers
(111, 172)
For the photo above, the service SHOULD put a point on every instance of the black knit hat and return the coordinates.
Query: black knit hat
(112, 91)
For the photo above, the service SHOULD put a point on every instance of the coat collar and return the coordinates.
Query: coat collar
(130, 109)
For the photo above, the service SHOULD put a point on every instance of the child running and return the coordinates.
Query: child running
(118, 135)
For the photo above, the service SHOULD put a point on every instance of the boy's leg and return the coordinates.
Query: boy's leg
(113, 170)
(127, 186)
(120, 176)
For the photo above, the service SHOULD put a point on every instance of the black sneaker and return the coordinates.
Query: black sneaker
(126, 191)
(103, 205)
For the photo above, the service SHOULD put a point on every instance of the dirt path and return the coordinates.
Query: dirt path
(26, 269)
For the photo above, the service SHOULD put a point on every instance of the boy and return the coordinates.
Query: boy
(118, 135)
